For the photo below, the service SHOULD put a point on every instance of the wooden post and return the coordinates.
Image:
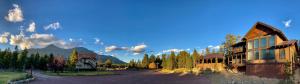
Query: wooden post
(228, 60)
(241, 58)
(232, 59)
(235, 61)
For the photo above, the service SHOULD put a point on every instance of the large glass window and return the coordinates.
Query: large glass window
(256, 54)
(271, 54)
(263, 42)
(272, 41)
(256, 43)
(250, 45)
(282, 54)
(250, 55)
(264, 54)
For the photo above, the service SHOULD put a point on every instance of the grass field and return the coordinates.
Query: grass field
(80, 73)
(6, 76)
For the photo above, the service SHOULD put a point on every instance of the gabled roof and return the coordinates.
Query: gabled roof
(268, 27)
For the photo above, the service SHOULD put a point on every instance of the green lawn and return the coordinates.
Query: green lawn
(5, 76)
(80, 73)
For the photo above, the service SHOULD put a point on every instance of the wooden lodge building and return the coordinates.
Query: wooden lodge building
(264, 51)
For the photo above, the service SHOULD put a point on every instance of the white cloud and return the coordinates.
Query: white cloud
(136, 53)
(68, 45)
(54, 26)
(40, 40)
(15, 14)
(70, 39)
(114, 48)
(216, 47)
(174, 50)
(287, 23)
(98, 41)
(139, 48)
(4, 37)
(35, 40)
(31, 27)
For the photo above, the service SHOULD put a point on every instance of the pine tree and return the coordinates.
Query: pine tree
(158, 61)
(196, 57)
(132, 64)
(171, 61)
(145, 61)
(152, 58)
(22, 59)
(207, 51)
(108, 62)
(164, 61)
(37, 60)
(189, 62)
(73, 59)
(14, 58)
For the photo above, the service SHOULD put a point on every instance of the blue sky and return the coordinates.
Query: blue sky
(129, 28)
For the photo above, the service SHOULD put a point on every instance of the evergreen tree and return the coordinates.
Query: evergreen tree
(172, 61)
(6, 58)
(132, 64)
(36, 61)
(189, 62)
(152, 58)
(207, 51)
(145, 61)
(158, 61)
(164, 61)
(196, 57)
(14, 58)
(22, 59)
(30, 61)
(108, 62)
(73, 59)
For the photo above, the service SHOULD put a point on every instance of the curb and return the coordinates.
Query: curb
(21, 81)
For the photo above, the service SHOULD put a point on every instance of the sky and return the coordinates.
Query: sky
(127, 29)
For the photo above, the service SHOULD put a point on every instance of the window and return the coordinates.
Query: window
(282, 54)
(263, 42)
(272, 41)
(264, 54)
(271, 54)
(250, 45)
(256, 43)
(250, 55)
(256, 54)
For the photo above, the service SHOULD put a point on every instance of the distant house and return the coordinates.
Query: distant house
(86, 61)
(264, 51)
(214, 61)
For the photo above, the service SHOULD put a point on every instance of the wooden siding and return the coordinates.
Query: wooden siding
(270, 70)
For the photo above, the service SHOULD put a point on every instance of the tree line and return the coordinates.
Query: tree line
(171, 61)
(19, 60)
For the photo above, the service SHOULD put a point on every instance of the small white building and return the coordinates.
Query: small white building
(86, 61)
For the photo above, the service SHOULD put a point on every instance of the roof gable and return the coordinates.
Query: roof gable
(262, 29)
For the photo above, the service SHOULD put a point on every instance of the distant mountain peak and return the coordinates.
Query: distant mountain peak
(51, 46)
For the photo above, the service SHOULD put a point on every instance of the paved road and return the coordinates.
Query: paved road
(125, 77)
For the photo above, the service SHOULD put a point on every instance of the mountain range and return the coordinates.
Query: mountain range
(56, 51)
